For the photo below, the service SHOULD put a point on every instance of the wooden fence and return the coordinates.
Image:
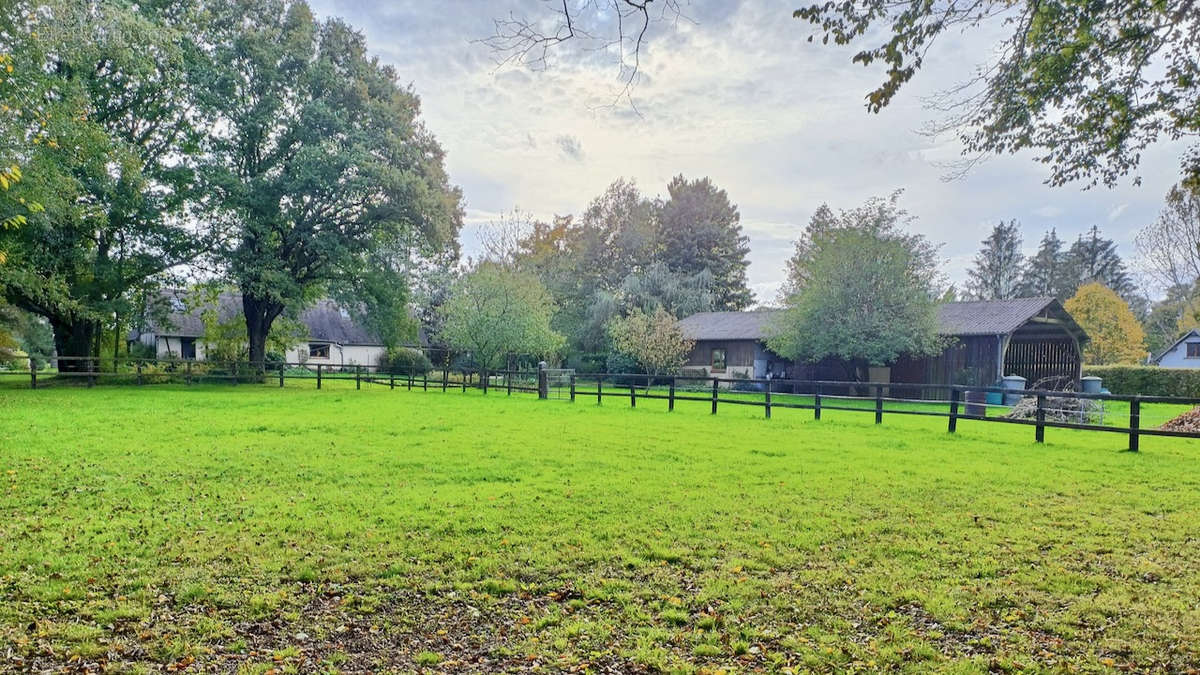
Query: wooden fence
(961, 402)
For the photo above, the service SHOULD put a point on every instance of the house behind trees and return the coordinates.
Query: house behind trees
(332, 337)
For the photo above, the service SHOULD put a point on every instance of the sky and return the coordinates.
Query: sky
(733, 91)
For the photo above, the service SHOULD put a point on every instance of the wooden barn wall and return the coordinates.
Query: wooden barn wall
(738, 353)
(968, 360)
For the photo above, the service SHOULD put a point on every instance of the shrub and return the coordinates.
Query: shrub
(1148, 380)
(405, 361)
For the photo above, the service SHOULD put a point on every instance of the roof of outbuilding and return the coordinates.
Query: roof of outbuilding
(983, 317)
(728, 325)
(989, 317)
(326, 321)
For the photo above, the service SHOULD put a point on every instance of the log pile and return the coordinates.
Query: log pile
(1188, 421)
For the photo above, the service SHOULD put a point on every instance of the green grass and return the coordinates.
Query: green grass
(253, 529)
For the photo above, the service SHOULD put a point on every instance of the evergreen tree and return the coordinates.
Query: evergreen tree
(1044, 273)
(1094, 258)
(996, 274)
(700, 229)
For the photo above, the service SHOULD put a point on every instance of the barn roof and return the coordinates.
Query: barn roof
(990, 317)
(983, 317)
(326, 321)
(728, 325)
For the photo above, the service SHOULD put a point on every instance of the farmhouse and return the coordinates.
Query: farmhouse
(1183, 353)
(334, 338)
(1032, 337)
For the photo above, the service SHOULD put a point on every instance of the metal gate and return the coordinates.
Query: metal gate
(557, 383)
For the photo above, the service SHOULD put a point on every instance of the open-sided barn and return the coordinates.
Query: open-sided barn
(1035, 338)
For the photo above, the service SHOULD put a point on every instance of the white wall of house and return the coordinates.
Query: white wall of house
(171, 347)
(1177, 356)
(339, 355)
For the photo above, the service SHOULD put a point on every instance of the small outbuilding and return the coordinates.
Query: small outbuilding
(1035, 338)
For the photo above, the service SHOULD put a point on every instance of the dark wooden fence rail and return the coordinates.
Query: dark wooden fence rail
(963, 401)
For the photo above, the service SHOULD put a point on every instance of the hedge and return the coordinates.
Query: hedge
(1148, 380)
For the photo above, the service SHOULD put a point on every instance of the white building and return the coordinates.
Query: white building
(334, 338)
(1183, 353)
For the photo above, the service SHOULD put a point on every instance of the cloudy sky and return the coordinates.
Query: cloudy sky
(734, 92)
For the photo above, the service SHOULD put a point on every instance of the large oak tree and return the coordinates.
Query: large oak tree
(319, 158)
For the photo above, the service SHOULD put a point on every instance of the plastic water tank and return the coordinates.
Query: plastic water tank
(1090, 384)
(1015, 382)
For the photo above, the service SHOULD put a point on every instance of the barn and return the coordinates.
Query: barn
(1035, 338)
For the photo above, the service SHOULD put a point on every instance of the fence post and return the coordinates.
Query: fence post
(768, 400)
(1135, 422)
(138, 367)
(235, 373)
(91, 369)
(445, 379)
(817, 403)
(572, 387)
(319, 375)
(485, 379)
(878, 404)
(32, 375)
(671, 396)
(952, 425)
(187, 377)
(425, 381)
(357, 376)
(465, 375)
(633, 396)
(508, 384)
(599, 389)
(1040, 433)
(714, 396)
(543, 383)
(391, 380)
(410, 379)
(281, 366)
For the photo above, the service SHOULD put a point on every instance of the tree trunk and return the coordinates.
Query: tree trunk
(260, 314)
(75, 338)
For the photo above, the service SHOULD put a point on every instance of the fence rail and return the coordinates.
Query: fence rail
(962, 402)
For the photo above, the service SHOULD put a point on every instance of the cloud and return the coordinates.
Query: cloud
(570, 146)
(736, 94)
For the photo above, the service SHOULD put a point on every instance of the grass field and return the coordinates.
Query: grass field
(254, 529)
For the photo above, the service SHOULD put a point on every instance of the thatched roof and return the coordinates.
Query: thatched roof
(326, 321)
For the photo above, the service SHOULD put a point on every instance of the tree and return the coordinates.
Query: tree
(1093, 258)
(1045, 274)
(1116, 336)
(1086, 86)
(318, 156)
(867, 298)
(880, 217)
(699, 229)
(104, 124)
(1169, 249)
(996, 273)
(655, 341)
(493, 312)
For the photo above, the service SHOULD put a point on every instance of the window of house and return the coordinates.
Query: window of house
(718, 359)
(318, 350)
(187, 348)
(1193, 350)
